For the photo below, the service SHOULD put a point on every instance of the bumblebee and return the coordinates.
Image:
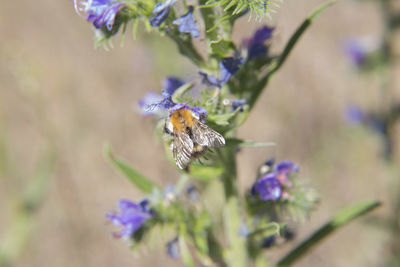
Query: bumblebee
(191, 136)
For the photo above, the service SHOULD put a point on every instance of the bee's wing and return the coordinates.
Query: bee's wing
(205, 136)
(182, 148)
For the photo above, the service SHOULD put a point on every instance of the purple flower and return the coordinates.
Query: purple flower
(227, 67)
(154, 103)
(170, 85)
(187, 24)
(160, 12)
(270, 162)
(268, 187)
(131, 216)
(255, 45)
(238, 103)
(354, 115)
(146, 104)
(101, 12)
(173, 248)
(286, 167)
(355, 52)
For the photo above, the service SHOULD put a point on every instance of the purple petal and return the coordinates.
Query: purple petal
(131, 217)
(187, 24)
(173, 248)
(354, 115)
(160, 11)
(286, 167)
(170, 85)
(268, 188)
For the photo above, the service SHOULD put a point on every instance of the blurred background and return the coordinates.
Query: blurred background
(61, 100)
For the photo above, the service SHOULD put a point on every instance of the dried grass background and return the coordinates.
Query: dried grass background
(59, 94)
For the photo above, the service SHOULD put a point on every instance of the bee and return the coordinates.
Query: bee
(191, 136)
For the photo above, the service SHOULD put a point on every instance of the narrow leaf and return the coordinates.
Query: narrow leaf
(268, 230)
(288, 48)
(340, 219)
(186, 256)
(139, 180)
(247, 143)
(299, 32)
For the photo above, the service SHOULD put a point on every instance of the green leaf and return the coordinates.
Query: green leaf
(203, 172)
(222, 119)
(247, 143)
(288, 48)
(139, 180)
(177, 95)
(340, 219)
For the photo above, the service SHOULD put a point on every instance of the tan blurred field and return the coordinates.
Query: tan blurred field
(61, 100)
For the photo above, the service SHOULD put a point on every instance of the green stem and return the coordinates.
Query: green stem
(187, 49)
(236, 254)
(209, 22)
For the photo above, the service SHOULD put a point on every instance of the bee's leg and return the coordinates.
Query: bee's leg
(187, 169)
(200, 161)
(205, 157)
(166, 130)
(211, 150)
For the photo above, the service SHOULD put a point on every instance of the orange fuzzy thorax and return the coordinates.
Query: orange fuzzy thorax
(182, 119)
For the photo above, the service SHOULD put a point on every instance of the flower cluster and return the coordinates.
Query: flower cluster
(275, 180)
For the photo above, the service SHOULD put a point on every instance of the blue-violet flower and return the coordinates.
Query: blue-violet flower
(173, 248)
(187, 24)
(255, 45)
(161, 11)
(227, 67)
(131, 216)
(154, 103)
(268, 187)
(238, 103)
(101, 12)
